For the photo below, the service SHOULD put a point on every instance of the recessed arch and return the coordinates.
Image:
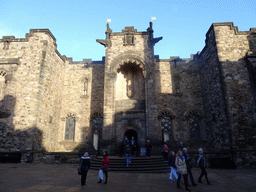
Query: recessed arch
(130, 58)
(167, 112)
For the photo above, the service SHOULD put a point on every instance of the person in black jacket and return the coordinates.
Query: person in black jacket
(201, 162)
(84, 166)
(189, 167)
(148, 147)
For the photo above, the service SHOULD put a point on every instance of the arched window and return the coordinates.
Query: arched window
(70, 127)
(166, 125)
(2, 84)
(97, 128)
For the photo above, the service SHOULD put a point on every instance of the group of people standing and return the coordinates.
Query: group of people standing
(84, 166)
(181, 165)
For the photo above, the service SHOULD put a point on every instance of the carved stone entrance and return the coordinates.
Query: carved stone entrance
(131, 133)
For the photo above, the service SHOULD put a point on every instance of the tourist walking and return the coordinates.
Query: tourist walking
(133, 146)
(126, 144)
(189, 166)
(128, 156)
(171, 163)
(148, 147)
(182, 169)
(165, 152)
(84, 166)
(201, 162)
(105, 167)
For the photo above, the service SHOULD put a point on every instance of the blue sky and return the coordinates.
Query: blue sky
(76, 24)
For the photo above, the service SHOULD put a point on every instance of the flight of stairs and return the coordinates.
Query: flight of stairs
(154, 164)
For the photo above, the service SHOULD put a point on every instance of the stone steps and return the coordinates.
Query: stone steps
(138, 164)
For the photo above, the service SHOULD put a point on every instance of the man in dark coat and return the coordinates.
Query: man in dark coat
(189, 167)
(126, 144)
(202, 163)
(133, 145)
(84, 166)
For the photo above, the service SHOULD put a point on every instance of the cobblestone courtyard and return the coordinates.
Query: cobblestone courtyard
(64, 177)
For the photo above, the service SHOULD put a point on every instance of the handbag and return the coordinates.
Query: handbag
(79, 171)
(105, 169)
(100, 174)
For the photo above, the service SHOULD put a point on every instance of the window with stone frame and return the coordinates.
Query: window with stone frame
(85, 91)
(97, 128)
(70, 127)
(166, 125)
(97, 122)
(2, 84)
(194, 125)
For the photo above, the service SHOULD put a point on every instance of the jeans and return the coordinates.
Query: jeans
(173, 172)
(128, 159)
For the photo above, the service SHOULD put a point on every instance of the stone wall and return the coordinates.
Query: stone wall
(217, 127)
(136, 50)
(50, 93)
(82, 97)
(21, 59)
(179, 96)
(51, 103)
(233, 46)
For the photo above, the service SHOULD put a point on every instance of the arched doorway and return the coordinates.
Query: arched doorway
(131, 133)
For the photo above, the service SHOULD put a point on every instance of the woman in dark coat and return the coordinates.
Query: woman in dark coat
(105, 166)
(84, 166)
(148, 147)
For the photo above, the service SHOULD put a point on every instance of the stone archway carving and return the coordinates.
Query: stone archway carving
(130, 58)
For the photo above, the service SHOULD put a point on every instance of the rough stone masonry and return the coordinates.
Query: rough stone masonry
(49, 103)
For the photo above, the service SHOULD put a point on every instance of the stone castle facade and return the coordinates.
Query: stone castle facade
(50, 103)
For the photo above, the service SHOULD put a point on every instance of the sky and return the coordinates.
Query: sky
(76, 24)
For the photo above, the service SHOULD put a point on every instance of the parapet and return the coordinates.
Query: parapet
(10, 39)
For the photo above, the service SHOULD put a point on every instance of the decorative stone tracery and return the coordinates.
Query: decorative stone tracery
(70, 127)
(129, 35)
(165, 119)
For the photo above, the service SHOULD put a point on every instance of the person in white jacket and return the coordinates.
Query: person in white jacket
(182, 169)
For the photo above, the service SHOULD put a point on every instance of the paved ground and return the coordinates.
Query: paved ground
(45, 177)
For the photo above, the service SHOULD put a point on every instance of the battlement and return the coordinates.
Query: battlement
(9, 39)
(84, 61)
